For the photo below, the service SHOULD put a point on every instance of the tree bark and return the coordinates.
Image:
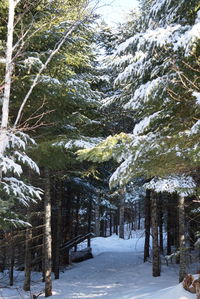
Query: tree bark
(89, 221)
(110, 222)
(58, 232)
(115, 229)
(154, 225)
(147, 224)
(97, 220)
(47, 235)
(169, 238)
(182, 269)
(77, 219)
(12, 262)
(139, 213)
(160, 223)
(27, 280)
(121, 215)
(8, 77)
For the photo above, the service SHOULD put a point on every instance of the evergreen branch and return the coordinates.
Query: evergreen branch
(57, 47)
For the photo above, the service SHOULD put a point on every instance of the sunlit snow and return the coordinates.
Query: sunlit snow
(182, 184)
(117, 271)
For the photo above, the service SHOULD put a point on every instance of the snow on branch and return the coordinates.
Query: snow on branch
(174, 36)
(145, 92)
(17, 222)
(197, 96)
(23, 192)
(135, 68)
(8, 165)
(181, 184)
(83, 142)
(144, 124)
(19, 140)
(23, 158)
(195, 129)
(15, 152)
(120, 176)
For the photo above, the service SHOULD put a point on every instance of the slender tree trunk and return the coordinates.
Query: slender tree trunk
(76, 229)
(12, 262)
(27, 280)
(110, 222)
(58, 232)
(160, 223)
(169, 239)
(47, 235)
(147, 224)
(89, 221)
(182, 271)
(97, 220)
(139, 213)
(154, 224)
(135, 215)
(8, 78)
(176, 223)
(105, 228)
(4, 253)
(43, 259)
(115, 230)
(121, 215)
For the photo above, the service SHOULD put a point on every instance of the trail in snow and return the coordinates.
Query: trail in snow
(117, 271)
(112, 275)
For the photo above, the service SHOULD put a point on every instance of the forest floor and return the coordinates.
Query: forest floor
(117, 271)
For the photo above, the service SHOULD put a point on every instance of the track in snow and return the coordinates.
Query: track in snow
(111, 275)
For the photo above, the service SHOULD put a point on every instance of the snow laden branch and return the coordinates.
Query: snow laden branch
(111, 147)
(182, 184)
(24, 193)
(11, 164)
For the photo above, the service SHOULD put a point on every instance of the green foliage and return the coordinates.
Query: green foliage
(156, 81)
(112, 147)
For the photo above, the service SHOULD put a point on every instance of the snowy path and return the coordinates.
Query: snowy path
(111, 274)
(108, 275)
(114, 275)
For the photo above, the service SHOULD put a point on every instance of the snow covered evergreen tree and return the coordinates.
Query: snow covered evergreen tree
(27, 56)
(165, 138)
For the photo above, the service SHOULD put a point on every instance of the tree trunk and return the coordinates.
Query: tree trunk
(8, 78)
(47, 235)
(160, 223)
(76, 229)
(182, 270)
(97, 220)
(27, 279)
(110, 222)
(147, 224)
(139, 214)
(121, 215)
(169, 239)
(154, 225)
(12, 262)
(115, 230)
(89, 221)
(58, 232)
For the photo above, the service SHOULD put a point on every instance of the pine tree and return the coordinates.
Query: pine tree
(30, 59)
(159, 137)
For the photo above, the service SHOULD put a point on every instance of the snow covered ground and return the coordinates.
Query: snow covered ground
(117, 271)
